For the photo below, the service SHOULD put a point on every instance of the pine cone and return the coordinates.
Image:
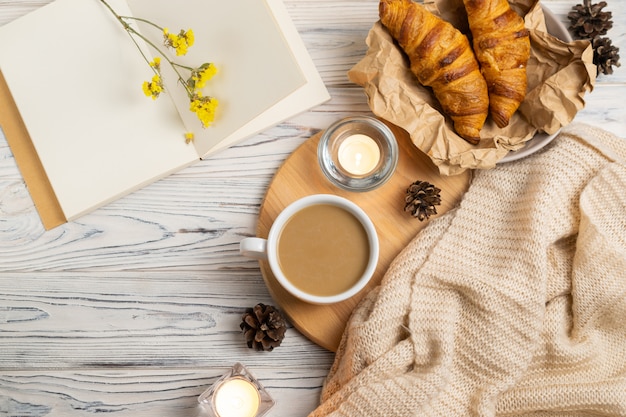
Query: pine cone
(605, 55)
(263, 327)
(588, 20)
(421, 199)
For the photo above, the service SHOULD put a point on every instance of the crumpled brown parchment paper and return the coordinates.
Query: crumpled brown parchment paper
(559, 75)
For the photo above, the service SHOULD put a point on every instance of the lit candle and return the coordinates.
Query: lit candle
(236, 397)
(358, 154)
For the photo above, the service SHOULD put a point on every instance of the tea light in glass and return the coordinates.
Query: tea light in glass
(358, 153)
(236, 394)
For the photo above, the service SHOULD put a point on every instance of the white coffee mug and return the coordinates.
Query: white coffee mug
(267, 249)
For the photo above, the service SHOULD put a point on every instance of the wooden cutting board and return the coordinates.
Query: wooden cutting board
(300, 175)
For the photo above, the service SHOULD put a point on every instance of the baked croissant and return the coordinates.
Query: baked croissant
(441, 58)
(502, 46)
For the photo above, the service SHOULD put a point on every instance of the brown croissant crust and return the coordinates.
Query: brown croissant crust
(502, 46)
(441, 58)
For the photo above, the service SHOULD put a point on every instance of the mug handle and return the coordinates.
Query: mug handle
(253, 247)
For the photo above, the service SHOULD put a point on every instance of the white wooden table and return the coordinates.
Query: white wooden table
(134, 309)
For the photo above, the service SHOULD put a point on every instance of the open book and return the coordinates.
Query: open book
(81, 129)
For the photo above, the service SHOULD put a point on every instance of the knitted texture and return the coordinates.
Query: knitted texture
(511, 304)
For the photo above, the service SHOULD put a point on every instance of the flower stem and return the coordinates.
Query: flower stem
(139, 19)
(182, 66)
(131, 31)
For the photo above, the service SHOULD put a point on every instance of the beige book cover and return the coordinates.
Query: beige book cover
(81, 129)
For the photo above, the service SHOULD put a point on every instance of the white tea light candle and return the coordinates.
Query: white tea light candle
(358, 154)
(236, 397)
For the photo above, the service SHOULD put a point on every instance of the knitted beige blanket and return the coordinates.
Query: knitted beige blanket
(512, 304)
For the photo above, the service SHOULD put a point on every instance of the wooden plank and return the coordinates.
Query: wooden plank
(134, 310)
(137, 319)
(145, 392)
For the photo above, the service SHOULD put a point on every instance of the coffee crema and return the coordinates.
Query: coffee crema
(323, 250)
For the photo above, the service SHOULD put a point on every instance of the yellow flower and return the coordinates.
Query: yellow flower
(153, 88)
(180, 42)
(201, 75)
(204, 108)
(195, 77)
(189, 37)
(156, 63)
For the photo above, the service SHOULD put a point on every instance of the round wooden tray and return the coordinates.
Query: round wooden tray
(300, 176)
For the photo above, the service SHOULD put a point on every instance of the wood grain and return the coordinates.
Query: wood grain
(133, 310)
(300, 175)
(144, 392)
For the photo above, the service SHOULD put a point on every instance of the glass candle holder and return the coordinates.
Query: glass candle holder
(358, 153)
(237, 393)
